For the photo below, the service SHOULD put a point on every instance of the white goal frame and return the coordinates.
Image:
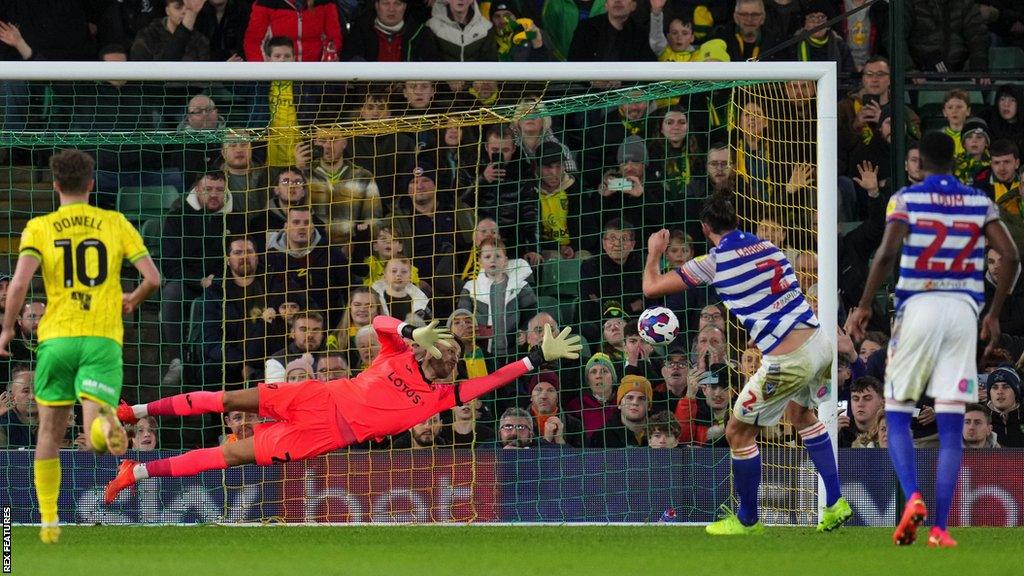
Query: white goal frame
(823, 74)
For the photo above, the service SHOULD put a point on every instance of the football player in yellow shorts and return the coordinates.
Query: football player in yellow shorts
(79, 249)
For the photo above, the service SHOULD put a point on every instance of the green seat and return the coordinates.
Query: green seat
(151, 231)
(559, 278)
(1005, 58)
(141, 203)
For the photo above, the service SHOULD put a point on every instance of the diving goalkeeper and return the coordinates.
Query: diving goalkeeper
(312, 418)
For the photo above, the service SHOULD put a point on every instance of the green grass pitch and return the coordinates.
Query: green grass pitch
(519, 551)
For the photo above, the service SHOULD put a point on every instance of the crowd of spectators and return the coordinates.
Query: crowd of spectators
(278, 253)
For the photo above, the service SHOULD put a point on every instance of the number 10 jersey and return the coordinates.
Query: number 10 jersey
(80, 249)
(945, 248)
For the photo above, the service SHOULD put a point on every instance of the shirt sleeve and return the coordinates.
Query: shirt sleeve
(700, 270)
(30, 242)
(477, 387)
(896, 211)
(131, 242)
(992, 214)
(388, 331)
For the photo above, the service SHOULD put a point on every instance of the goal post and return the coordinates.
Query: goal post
(657, 81)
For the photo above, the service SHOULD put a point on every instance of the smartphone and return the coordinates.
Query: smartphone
(316, 151)
(868, 99)
(841, 407)
(619, 184)
(496, 158)
(707, 359)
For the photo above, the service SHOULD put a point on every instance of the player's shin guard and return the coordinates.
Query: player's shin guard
(47, 481)
(901, 444)
(190, 404)
(819, 447)
(746, 470)
(951, 426)
(188, 464)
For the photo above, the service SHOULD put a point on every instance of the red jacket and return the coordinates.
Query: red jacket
(310, 23)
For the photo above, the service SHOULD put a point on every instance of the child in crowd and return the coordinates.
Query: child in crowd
(956, 108)
(284, 117)
(672, 43)
(975, 158)
(663, 431)
(500, 286)
(144, 434)
(385, 247)
(399, 297)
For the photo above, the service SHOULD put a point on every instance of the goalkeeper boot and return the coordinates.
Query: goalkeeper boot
(49, 533)
(107, 434)
(730, 525)
(914, 514)
(834, 516)
(939, 538)
(125, 413)
(125, 478)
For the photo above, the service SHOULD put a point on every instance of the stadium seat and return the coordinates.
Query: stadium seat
(151, 230)
(1005, 58)
(560, 278)
(141, 203)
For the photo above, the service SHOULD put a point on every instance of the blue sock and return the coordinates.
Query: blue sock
(820, 450)
(901, 450)
(747, 479)
(951, 429)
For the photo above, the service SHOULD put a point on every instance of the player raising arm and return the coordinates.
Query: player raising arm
(397, 391)
(939, 227)
(756, 281)
(80, 249)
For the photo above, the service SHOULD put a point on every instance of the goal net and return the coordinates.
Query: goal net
(287, 205)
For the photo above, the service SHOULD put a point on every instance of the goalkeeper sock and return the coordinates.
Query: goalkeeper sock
(819, 447)
(901, 445)
(189, 404)
(188, 464)
(746, 470)
(951, 429)
(47, 480)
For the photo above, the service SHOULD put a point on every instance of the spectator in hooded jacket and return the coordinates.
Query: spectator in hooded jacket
(1003, 386)
(383, 34)
(947, 36)
(456, 32)
(314, 25)
(174, 37)
(615, 36)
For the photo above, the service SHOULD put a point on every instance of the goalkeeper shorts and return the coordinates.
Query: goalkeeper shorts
(308, 423)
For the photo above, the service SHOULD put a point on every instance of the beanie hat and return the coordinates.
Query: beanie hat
(632, 149)
(549, 377)
(455, 314)
(601, 358)
(972, 125)
(713, 51)
(1007, 375)
(631, 382)
(301, 363)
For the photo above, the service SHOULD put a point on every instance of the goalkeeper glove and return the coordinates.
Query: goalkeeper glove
(429, 336)
(561, 346)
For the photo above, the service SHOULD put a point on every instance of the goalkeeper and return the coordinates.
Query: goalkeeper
(312, 418)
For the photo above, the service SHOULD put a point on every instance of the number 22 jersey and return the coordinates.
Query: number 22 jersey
(80, 249)
(944, 250)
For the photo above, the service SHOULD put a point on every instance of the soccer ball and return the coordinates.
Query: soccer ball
(658, 325)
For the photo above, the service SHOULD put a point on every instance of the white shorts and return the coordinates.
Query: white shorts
(933, 350)
(803, 376)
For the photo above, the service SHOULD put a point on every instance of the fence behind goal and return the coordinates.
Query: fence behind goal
(405, 178)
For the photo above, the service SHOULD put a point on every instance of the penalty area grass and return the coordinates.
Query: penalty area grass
(513, 550)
